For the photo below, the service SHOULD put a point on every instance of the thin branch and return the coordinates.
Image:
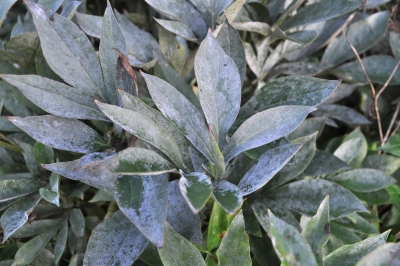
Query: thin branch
(396, 112)
(373, 91)
(389, 79)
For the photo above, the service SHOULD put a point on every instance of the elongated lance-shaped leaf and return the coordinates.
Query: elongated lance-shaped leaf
(235, 247)
(303, 37)
(136, 161)
(111, 39)
(17, 215)
(305, 196)
(228, 195)
(320, 11)
(179, 251)
(61, 133)
(182, 11)
(266, 167)
(317, 230)
(12, 189)
(115, 241)
(178, 28)
(77, 221)
(348, 255)
(219, 87)
(363, 180)
(181, 217)
(145, 128)
(55, 97)
(231, 43)
(265, 127)
(61, 241)
(143, 199)
(135, 104)
(196, 189)
(186, 117)
(211, 10)
(387, 254)
(5, 6)
(217, 227)
(88, 170)
(31, 249)
(307, 91)
(291, 247)
(68, 52)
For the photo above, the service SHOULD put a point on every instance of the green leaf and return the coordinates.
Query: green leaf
(230, 41)
(178, 251)
(317, 230)
(235, 247)
(324, 163)
(14, 171)
(182, 11)
(179, 28)
(11, 189)
(196, 189)
(55, 97)
(348, 150)
(61, 241)
(350, 254)
(377, 67)
(288, 243)
(61, 133)
(320, 11)
(173, 51)
(133, 161)
(90, 24)
(252, 226)
(111, 41)
(211, 10)
(362, 152)
(135, 104)
(256, 26)
(143, 199)
(265, 127)
(394, 40)
(304, 197)
(385, 255)
(31, 249)
(363, 180)
(302, 37)
(51, 4)
(115, 241)
(261, 207)
(384, 162)
(343, 235)
(342, 113)
(376, 197)
(5, 6)
(146, 129)
(88, 170)
(17, 215)
(27, 152)
(43, 153)
(76, 260)
(77, 221)
(362, 34)
(185, 116)
(227, 195)
(233, 10)
(305, 91)
(394, 193)
(217, 227)
(25, 45)
(181, 217)
(52, 194)
(392, 146)
(69, 9)
(266, 167)
(219, 87)
(68, 52)
(360, 225)
(35, 227)
(164, 71)
(303, 159)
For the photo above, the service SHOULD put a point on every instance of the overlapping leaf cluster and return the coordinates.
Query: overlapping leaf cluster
(201, 176)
